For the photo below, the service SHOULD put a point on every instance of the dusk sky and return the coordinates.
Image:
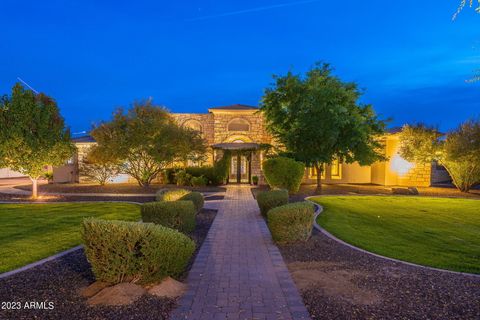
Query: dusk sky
(94, 56)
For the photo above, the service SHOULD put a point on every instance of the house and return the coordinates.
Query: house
(241, 129)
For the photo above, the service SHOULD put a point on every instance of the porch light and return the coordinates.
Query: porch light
(400, 165)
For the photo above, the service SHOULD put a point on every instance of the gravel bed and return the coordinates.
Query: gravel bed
(337, 282)
(59, 281)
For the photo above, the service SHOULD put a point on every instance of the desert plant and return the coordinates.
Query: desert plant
(196, 198)
(291, 222)
(270, 199)
(199, 181)
(284, 173)
(170, 194)
(120, 251)
(178, 215)
(183, 178)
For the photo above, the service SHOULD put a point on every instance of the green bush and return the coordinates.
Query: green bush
(284, 173)
(169, 176)
(170, 194)
(199, 181)
(178, 215)
(271, 199)
(183, 178)
(291, 222)
(120, 251)
(221, 168)
(196, 198)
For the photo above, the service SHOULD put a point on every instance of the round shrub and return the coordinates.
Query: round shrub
(196, 198)
(284, 173)
(178, 215)
(120, 251)
(170, 194)
(291, 222)
(183, 178)
(270, 199)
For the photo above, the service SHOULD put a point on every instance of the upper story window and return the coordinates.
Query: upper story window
(193, 124)
(238, 125)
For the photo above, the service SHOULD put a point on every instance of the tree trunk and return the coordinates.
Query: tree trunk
(318, 169)
(34, 188)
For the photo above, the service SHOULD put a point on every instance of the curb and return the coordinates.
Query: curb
(319, 210)
(39, 262)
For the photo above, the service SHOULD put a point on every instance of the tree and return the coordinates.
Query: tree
(190, 146)
(459, 152)
(317, 119)
(32, 134)
(99, 167)
(145, 140)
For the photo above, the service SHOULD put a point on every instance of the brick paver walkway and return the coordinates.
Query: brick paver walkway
(239, 273)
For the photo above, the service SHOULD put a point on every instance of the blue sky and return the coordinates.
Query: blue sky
(94, 56)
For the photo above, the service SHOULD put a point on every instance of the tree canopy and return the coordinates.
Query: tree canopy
(145, 140)
(458, 151)
(317, 118)
(32, 134)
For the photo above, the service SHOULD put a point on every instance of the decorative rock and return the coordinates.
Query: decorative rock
(120, 294)
(169, 288)
(93, 289)
(405, 191)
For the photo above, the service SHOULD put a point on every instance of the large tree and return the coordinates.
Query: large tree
(145, 140)
(32, 134)
(317, 118)
(458, 151)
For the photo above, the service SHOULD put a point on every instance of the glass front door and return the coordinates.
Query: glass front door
(239, 169)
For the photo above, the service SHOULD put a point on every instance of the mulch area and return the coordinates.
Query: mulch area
(59, 281)
(118, 188)
(337, 282)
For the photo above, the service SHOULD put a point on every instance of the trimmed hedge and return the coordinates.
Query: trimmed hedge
(270, 199)
(171, 194)
(196, 198)
(291, 222)
(284, 173)
(120, 251)
(178, 215)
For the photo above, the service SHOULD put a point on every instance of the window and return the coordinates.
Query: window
(193, 124)
(312, 173)
(238, 125)
(336, 169)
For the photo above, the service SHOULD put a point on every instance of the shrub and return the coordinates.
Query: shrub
(120, 251)
(271, 199)
(178, 215)
(183, 178)
(169, 176)
(255, 180)
(199, 181)
(284, 173)
(291, 222)
(221, 168)
(170, 194)
(196, 198)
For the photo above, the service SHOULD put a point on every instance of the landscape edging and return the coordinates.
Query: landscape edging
(319, 210)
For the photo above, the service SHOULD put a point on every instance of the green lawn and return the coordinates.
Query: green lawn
(438, 232)
(30, 232)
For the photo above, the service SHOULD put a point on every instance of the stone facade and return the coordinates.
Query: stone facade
(228, 127)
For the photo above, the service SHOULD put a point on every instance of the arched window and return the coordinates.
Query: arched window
(193, 124)
(238, 125)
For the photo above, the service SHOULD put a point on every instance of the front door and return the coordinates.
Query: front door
(239, 169)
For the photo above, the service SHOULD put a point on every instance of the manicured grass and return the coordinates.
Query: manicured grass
(438, 232)
(30, 232)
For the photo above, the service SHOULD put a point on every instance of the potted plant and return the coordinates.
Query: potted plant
(48, 176)
(255, 180)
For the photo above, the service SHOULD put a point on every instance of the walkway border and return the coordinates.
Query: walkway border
(319, 210)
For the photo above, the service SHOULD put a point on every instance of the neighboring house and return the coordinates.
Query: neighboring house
(241, 129)
(9, 173)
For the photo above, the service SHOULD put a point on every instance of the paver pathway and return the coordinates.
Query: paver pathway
(239, 273)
